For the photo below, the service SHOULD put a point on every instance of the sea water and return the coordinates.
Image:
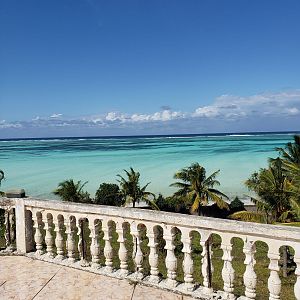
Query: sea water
(38, 165)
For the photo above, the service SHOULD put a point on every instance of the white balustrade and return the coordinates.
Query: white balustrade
(108, 250)
(122, 249)
(137, 253)
(94, 227)
(58, 222)
(152, 232)
(171, 260)
(227, 271)
(274, 282)
(71, 243)
(49, 240)
(38, 236)
(188, 264)
(250, 277)
(71, 231)
(207, 267)
(297, 272)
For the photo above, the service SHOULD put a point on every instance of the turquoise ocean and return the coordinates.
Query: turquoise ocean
(38, 165)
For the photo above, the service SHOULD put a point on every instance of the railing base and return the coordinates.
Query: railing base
(199, 292)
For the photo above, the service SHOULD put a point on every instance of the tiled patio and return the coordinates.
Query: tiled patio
(25, 278)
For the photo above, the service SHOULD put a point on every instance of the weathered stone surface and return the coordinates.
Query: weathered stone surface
(60, 227)
(146, 293)
(16, 193)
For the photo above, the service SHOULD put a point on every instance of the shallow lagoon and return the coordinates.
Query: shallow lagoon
(38, 165)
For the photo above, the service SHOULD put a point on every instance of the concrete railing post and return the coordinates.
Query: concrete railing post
(24, 233)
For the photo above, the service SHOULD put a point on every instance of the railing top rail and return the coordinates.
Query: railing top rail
(166, 218)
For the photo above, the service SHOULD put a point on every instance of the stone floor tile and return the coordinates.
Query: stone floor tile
(68, 283)
(111, 288)
(26, 279)
(146, 293)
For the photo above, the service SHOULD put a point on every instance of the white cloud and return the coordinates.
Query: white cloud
(225, 109)
(272, 104)
(4, 124)
(55, 116)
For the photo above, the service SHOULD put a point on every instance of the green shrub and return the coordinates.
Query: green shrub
(108, 194)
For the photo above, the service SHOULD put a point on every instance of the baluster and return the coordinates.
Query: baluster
(274, 282)
(207, 267)
(171, 260)
(122, 250)
(59, 240)
(137, 254)
(49, 240)
(250, 277)
(71, 243)
(108, 250)
(188, 264)
(38, 236)
(94, 226)
(152, 234)
(297, 272)
(81, 243)
(227, 271)
(10, 235)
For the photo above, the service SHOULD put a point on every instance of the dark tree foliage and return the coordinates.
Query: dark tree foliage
(236, 205)
(172, 204)
(108, 194)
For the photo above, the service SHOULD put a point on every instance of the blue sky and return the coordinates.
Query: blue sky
(87, 67)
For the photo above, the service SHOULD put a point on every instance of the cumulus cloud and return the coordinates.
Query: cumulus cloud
(55, 116)
(4, 124)
(224, 110)
(272, 104)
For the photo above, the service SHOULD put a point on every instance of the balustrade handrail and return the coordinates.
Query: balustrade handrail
(32, 224)
(272, 231)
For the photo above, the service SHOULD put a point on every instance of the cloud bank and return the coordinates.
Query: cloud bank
(266, 111)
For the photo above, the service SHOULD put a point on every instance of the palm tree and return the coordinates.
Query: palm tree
(291, 152)
(1, 178)
(291, 163)
(293, 187)
(131, 190)
(199, 189)
(273, 202)
(70, 191)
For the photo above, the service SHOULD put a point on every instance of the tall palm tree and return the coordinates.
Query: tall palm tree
(132, 191)
(291, 164)
(294, 186)
(199, 189)
(291, 152)
(271, 187)
(70, 191)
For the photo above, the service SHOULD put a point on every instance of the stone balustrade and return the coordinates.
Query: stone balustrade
(85, 235)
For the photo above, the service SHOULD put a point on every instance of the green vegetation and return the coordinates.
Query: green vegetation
(68, 190)
(108, 194)
(1, 178)
(277, 188)
(131, 190)
(195, 187)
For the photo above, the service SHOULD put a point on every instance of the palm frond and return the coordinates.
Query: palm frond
(248, 216)
(218, 200)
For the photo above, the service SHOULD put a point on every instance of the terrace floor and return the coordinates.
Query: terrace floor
(24, 278)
